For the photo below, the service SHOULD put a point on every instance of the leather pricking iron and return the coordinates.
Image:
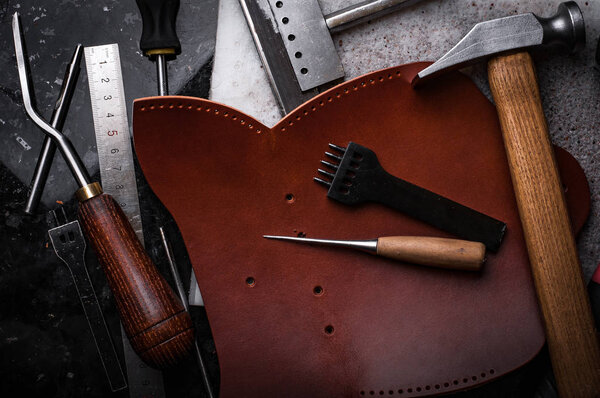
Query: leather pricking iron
(356, 176)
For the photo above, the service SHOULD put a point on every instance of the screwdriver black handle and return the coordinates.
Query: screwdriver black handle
(159, 35)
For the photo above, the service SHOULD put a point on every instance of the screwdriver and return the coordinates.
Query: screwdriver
(436, 252)
(158, 327)
(159, 36)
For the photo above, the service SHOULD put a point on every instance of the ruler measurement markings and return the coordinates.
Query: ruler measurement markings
(115, 154)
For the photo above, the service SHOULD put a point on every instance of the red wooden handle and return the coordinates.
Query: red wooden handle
(158, 327)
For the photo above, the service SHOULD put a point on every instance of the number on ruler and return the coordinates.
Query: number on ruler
(110, 133)
(105, 79)
(107, 97)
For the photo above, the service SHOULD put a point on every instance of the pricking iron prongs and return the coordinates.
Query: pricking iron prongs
(354, 175)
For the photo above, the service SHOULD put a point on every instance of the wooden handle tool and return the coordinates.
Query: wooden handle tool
(155, 320)
(570, 331)
(436, 252)
(158, 327)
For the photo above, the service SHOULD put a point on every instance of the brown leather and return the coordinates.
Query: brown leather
(378, 327)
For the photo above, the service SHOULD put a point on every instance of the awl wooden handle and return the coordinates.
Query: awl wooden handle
(158, 327)
(570, 331)
(435, 252)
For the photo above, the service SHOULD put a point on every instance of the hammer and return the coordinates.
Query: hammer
(569, 326)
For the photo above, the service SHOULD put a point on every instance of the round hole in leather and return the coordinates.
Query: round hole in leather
(396, 325)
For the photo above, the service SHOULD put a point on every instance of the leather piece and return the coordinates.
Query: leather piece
(378, 327)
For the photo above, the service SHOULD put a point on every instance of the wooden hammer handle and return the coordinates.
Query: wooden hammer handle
(158, 327)
(557, 274)
(436, 252)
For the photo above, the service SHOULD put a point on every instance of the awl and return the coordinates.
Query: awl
(435, 252)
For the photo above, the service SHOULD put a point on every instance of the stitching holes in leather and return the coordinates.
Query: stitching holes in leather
(290, 198)
(313, 108)
(418, 389)
(339, 95)
(329, 330)
(250, 281)
(318, 290)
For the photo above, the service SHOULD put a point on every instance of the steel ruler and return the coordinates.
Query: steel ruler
(117, 172)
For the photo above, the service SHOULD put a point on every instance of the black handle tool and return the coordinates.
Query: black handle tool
(358, 177)
(159, 35)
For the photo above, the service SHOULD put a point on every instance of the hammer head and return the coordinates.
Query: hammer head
(565, 29)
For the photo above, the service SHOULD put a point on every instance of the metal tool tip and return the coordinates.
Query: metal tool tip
(333, 156)
(337, 148)
(326, 173)
(78, 51)
(320, 181)
(15, 21)
(333, 166)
